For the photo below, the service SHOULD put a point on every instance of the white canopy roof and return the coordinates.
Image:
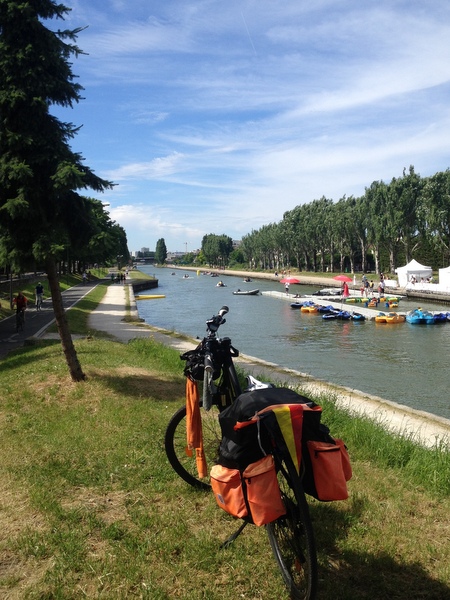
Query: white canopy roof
(444, 276)
(412, 268)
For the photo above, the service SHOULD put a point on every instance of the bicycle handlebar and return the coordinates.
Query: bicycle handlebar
(216, 321)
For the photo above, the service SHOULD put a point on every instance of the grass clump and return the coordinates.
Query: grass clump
(90, 507)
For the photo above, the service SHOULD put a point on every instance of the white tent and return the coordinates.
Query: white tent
(444, 276)
(412, 268)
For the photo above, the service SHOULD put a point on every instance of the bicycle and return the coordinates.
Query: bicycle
(39, 300)
(20, 320)
(291, 536)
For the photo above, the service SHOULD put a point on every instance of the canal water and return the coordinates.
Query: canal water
(403, 363)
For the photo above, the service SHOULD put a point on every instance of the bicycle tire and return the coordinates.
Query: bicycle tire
(184, 462)
(292, 540)
(20, 320)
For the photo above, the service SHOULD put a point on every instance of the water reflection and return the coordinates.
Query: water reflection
(402, 362)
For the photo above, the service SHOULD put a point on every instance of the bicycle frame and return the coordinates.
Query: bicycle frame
(220, 354)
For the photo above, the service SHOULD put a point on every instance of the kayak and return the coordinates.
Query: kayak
(149, 296)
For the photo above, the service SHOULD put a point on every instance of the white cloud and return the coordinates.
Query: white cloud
(219, 117)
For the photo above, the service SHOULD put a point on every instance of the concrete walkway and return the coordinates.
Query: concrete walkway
(422, 427)
(110, 317)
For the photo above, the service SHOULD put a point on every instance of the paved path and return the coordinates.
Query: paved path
(36, 322)
(109, 318)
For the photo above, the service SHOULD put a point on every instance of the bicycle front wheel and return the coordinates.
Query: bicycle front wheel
(183, 461)
(292, 540)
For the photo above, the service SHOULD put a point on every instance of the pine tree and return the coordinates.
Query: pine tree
(39, 173)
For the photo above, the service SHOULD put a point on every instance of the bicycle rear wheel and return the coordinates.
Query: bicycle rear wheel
(182, 460)
(292, 539)
(20, 320)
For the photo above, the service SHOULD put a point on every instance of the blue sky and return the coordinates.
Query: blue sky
(217, 116)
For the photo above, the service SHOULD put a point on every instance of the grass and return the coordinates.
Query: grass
(90, 508)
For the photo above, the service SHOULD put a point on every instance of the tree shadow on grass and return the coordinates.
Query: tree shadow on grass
(142, 386)
(26, 355)
(350, 575)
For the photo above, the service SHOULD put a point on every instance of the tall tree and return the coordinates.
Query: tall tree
(161, 251)
(39, 173)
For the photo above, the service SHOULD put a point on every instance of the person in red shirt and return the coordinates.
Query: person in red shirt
(20, 301)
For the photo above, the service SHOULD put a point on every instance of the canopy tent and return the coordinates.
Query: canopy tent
(415, 269)
(444, 276)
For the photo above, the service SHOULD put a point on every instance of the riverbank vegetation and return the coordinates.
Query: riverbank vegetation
(91, 508)
(385, 228)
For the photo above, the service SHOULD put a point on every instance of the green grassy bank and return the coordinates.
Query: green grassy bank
(90, 508)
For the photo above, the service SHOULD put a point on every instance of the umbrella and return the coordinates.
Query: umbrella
(290, 280)
(342, 278)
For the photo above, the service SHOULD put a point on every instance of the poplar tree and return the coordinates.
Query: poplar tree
(40, 175)
(161, 251)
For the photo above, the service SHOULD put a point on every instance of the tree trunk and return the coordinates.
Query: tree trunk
(75, 370)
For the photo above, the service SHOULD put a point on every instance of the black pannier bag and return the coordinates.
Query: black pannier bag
(243, 446)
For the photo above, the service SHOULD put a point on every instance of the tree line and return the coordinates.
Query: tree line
(384, 228)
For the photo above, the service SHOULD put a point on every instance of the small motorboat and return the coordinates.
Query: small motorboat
(185, 276)
(246, 293)
(220, 284)
(418, 316)
(247, 280)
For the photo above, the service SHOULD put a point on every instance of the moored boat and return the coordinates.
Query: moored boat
(440, 317)
(326, 309)
(380, 318)
(358, 317)
(312, 308)
(246, 293)
(344, 315)
(395, 318)
(418, 316)
(296, 305)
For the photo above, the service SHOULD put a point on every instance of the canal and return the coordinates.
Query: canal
(403, 363)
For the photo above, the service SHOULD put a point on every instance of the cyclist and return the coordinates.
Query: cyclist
(39, 291)
(21, 303)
